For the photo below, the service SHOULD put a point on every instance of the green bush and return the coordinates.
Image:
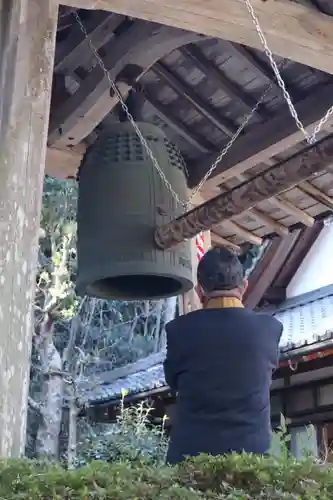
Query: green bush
(233, 477)
(132, 437)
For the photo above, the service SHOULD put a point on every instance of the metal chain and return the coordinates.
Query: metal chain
(185, 205)
(128, 114)
(230, 143)
(310, 138)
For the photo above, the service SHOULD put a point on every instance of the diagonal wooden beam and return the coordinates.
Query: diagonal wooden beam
(269, 183)
(75, 51)
(272, 261)
(141, 45)
(306, 239)
(265, 140)
(294, 30)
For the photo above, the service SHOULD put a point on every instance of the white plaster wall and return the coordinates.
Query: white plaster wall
(316, 269)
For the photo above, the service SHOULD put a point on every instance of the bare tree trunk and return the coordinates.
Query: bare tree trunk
(72, 432)
(158, 333)
(49, 430)
(169, 313)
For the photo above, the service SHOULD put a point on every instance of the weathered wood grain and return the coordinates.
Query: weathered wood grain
(272, 181)
(28, 30)
(293, 30)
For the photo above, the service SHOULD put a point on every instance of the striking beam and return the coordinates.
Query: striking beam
(293, 30)
(264, 141)
(269, 183)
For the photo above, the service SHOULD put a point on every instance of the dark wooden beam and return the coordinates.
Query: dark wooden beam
(75, 51)
(303, 245)
(185, 91)
(264, 274)
(231, 89)
(264, 141)
(262, 68)
(163, 111)
(272, 181)
(273, 295)
(141, 45)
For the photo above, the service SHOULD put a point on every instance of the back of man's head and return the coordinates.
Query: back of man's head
(220, 270)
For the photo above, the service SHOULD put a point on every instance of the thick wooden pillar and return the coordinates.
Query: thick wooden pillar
(27, 41)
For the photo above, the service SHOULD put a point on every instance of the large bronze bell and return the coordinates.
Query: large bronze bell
(122, 199)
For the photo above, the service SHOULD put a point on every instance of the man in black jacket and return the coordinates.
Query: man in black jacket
(220, 361)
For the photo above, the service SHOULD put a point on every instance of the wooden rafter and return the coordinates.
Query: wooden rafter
(262, 187)
(240, 231)
(224, 242)
(294, 30)
(186, 92)
(316, 194)
(76, 51)
(262, 68)
(164, 112)
(141, 46)
(265, 140)
(213, 73)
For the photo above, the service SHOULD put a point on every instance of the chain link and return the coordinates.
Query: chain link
(310, 138)
(128, 114)
(230, 144)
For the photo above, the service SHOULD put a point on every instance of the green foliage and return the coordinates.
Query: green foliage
(131, 438)
(233, 477)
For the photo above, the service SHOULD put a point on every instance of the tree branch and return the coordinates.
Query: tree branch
(37, 407)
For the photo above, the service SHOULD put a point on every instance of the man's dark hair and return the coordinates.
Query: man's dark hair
(220, 269)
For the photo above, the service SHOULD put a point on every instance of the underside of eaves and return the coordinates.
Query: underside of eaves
(199, 90)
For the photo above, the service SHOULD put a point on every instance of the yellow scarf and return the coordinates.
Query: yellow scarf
(222, 302)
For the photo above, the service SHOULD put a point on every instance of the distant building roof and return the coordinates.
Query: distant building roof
(307, 322)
